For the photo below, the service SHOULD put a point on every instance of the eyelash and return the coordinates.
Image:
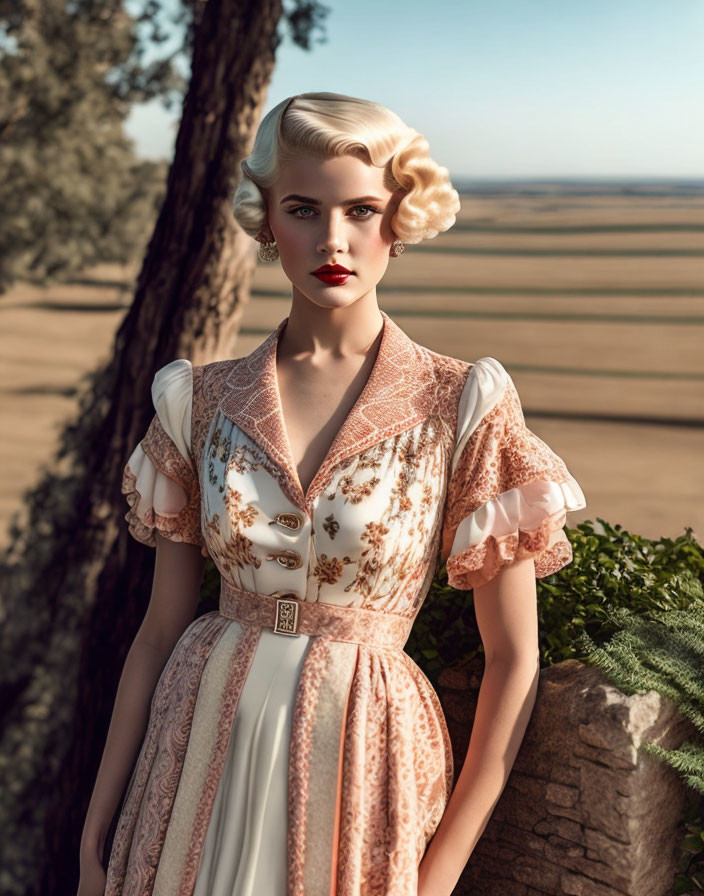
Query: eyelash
(361, 217)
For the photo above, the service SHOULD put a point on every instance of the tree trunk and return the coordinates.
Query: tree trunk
(75, 585)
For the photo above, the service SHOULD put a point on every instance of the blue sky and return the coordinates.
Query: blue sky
(511, 88)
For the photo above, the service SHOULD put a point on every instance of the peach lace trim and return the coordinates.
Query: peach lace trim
(479, 563)
(144, 518)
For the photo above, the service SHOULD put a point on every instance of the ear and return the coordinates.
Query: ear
(265, 235)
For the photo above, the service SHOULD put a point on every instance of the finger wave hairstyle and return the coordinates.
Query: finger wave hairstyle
(326, 125)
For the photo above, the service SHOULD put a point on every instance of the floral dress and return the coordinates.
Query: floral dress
(293, 747)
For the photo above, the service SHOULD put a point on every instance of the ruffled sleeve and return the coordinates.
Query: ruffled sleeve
(508, 492)
(160, 479)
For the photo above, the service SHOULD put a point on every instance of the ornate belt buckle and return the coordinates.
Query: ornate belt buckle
(286, 617)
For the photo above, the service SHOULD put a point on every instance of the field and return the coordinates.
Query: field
(593, 299)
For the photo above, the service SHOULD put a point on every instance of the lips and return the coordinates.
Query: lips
(330, 268)
(332, 274)
(331, 278)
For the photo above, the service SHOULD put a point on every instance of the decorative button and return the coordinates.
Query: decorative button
(289, 519)
(289, 559)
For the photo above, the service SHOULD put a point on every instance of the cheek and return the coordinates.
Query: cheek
(379, 247)
(290, 239)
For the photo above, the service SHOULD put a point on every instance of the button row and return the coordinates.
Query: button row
(289, 559)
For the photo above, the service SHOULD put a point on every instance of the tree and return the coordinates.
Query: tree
(74, 583)
(73, 193)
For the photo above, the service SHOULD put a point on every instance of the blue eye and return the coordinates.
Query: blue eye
(299, 208)
(371, 209)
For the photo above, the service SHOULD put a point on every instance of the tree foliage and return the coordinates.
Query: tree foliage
(73, 192)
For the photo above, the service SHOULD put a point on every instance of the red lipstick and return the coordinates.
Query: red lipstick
(332, 274)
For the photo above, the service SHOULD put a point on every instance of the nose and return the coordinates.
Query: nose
(332, 238)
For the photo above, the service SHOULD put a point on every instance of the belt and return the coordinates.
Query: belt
(286, 614)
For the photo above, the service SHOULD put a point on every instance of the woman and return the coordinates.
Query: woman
(292, 747)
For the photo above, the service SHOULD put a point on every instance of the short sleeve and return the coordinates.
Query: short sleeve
(508, 491)
(160, 479)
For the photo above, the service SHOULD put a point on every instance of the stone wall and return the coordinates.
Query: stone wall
(584, 812)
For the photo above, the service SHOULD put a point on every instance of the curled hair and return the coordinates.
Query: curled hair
(326, 125)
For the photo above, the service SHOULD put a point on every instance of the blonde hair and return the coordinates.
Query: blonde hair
(326, 125)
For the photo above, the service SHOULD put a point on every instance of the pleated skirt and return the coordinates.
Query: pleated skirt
(291, 766)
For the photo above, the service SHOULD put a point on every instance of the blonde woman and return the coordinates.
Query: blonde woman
(292, 747)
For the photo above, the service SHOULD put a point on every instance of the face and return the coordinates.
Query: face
(322, 226)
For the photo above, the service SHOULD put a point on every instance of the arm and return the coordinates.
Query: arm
(174, 598)
(506, 614)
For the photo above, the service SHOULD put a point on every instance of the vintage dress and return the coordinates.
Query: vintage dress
(305, 765)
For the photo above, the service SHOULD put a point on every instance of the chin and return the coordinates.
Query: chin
(330, 303)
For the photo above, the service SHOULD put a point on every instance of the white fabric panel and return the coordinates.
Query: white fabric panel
(244, 853)
(172, 395)
(485, 384)
(524, 507)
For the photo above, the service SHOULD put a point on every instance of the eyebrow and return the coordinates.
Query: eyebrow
(310, 201)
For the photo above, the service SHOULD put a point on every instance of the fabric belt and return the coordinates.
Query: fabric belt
(285, 613)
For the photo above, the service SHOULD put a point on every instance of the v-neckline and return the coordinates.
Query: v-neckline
(401, 391)
(347, 422)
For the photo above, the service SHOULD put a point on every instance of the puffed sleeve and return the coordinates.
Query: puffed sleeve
(160, 479)
(508, 491)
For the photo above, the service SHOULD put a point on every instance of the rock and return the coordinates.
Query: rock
(584, 811)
